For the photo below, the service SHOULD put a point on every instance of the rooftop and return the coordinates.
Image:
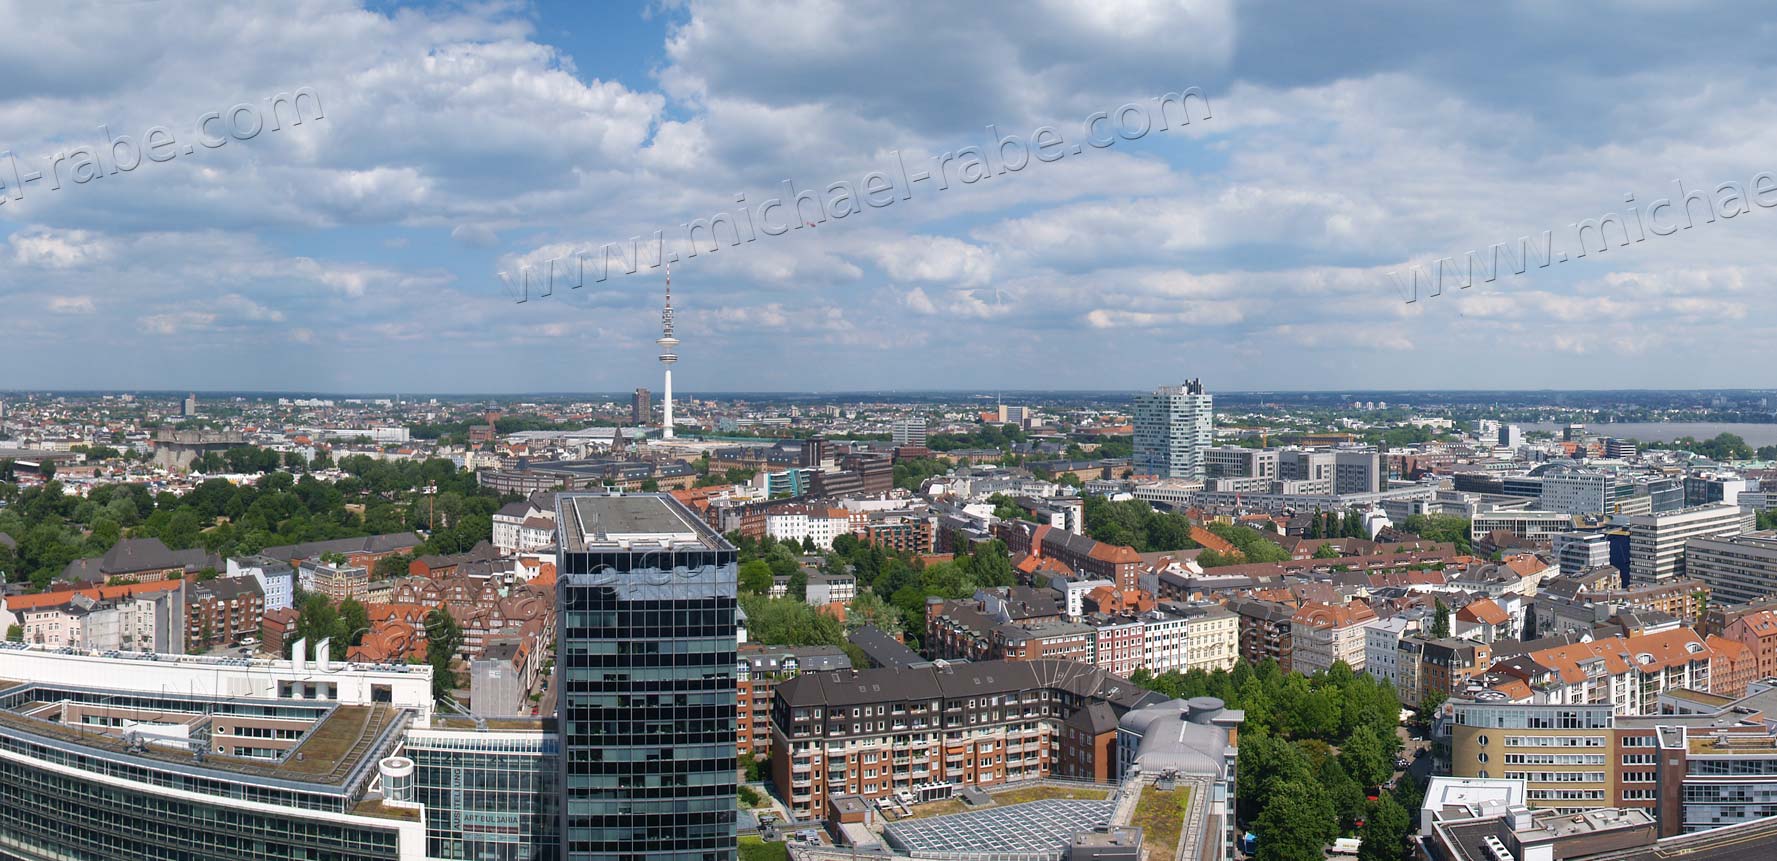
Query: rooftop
(591, 521)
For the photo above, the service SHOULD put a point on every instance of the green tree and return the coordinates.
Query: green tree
(1326, 551)
(990, 565)
(1440, 621)
(1366, 758)
(755, 576)
(1298, 822)
(443, 637)
(15, 633)
(1385, 831)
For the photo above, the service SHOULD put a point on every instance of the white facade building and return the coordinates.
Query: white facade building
(1173, 426)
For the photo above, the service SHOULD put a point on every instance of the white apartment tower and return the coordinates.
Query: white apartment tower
(1173, 427)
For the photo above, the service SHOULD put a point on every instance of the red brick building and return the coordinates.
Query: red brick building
(222, 611)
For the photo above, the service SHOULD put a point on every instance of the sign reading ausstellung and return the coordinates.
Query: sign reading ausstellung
(795, 210)
(121, 153)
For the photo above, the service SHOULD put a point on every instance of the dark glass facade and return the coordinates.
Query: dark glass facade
(646, 653)
(489, 796)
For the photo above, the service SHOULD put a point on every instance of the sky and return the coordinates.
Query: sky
(361, 250)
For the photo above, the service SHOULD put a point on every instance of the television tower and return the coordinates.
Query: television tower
(667, 357)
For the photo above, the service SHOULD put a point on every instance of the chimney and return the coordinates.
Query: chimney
(321, 656)
(299, 654)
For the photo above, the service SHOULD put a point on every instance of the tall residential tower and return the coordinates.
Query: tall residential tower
(1173, 426)
(646, 651)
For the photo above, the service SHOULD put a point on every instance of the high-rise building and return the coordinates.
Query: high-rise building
(188, 407)
(1173, 427)
(647, 650)
(1657, 541)
(908, 432)
(641, 407)
(1511, 436)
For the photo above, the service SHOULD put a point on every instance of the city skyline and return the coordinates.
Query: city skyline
(1250, 247)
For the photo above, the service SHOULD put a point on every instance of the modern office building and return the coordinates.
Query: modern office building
(1576, 491)
(1738, 568)
(1715, 487)
(1233, 461)
(641, 407)
(908, 432)
(1581, 551)
(488, 787)
(142, 758)
(646, 654)
(1173, 426)
(1657, 541)
(1357, 472)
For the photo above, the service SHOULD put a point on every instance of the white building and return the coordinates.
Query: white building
(276, 579)
(1578, 551)
(1575, 491)
(401, 686)
(525, 527)
(817, 523)
(1657, 541)
(910, 432)
(1173, 426)
(1382, 644)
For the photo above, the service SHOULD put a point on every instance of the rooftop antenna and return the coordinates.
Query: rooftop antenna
(667, 357)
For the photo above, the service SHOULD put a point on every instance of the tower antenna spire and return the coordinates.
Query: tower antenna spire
(667, 357)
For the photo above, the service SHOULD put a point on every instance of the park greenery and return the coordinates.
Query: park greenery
(1316, 757)
(53, 528)
(1135, 523)
(892, 587)
(1440, 527)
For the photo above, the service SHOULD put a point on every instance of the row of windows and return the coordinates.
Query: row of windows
(1557, 776)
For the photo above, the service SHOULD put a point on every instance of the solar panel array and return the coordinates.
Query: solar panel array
(1034, 827)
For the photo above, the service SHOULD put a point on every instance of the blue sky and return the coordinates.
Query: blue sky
(360, 251)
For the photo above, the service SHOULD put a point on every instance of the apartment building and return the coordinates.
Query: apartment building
(146, 617)
(930, 731)
(758, 672)
(1444, 666)
(1757, 631)
(337, 581)
(222, 610)
(1325, 634)
(1628, 673)
(1117, 563)
(527, 526)
(1265, 631)
(1382, 645)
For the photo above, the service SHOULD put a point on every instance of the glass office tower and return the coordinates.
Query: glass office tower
(645, 657)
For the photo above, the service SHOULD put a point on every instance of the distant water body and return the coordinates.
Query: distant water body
(1755, 434)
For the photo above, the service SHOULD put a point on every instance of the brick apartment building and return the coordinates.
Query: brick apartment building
(1097, 560)
(222, 611)
(872, 733)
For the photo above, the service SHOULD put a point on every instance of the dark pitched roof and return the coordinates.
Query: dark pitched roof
(388, 543)
(891, 684)
(884, 650)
